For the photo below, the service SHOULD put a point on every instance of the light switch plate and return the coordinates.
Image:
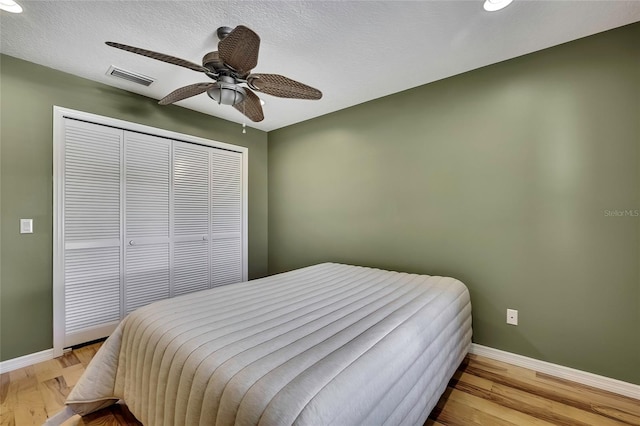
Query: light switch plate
(26, 226)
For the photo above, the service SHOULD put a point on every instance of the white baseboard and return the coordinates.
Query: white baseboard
(605, 383)
(26, 360)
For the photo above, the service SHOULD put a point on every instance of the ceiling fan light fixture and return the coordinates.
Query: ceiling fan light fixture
(227, 94)
(494, 5)
(10, 6)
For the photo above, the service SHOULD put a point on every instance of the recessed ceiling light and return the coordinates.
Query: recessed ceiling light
(493, 5)
(10, 6)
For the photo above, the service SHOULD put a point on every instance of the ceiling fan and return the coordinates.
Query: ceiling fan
(230, 67)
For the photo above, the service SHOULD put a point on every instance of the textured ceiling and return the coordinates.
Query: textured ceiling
(352, 51)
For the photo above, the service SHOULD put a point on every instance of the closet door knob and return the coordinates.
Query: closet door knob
(132, 243)
(205, 237)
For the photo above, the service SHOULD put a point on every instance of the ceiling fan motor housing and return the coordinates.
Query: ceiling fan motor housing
(227, 92)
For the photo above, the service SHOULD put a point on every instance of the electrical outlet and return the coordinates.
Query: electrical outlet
(512, 317)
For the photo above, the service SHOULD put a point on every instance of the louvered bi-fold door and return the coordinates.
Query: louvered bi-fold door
(191, 218)
(91, 232)
(226, 217)
(140, 218)
(147, 222)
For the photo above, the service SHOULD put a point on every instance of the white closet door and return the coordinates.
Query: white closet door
(226, 218)
(139, 217)
(91, 231)
(147, 174)
(191, 218)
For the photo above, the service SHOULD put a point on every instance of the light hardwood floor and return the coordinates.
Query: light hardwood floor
(482, 392)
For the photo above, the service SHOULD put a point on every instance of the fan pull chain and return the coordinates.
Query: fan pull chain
(244, 123)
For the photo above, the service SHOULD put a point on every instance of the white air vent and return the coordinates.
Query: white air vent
(128, 75)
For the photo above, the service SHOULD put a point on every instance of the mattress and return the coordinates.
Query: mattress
(326, 344)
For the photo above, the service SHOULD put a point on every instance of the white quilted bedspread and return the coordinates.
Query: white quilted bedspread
(326, 344)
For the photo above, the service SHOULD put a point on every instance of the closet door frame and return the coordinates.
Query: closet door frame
(59, 115)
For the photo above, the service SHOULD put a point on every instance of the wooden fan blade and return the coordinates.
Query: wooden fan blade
(212, 60)
(251, 106)
(159, 56)
(185, 92)
(239, 49)
(282, 87)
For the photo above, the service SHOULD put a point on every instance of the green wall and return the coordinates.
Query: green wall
(500, 177)
(28, 93)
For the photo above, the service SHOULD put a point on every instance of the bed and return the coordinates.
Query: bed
(326, 344)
